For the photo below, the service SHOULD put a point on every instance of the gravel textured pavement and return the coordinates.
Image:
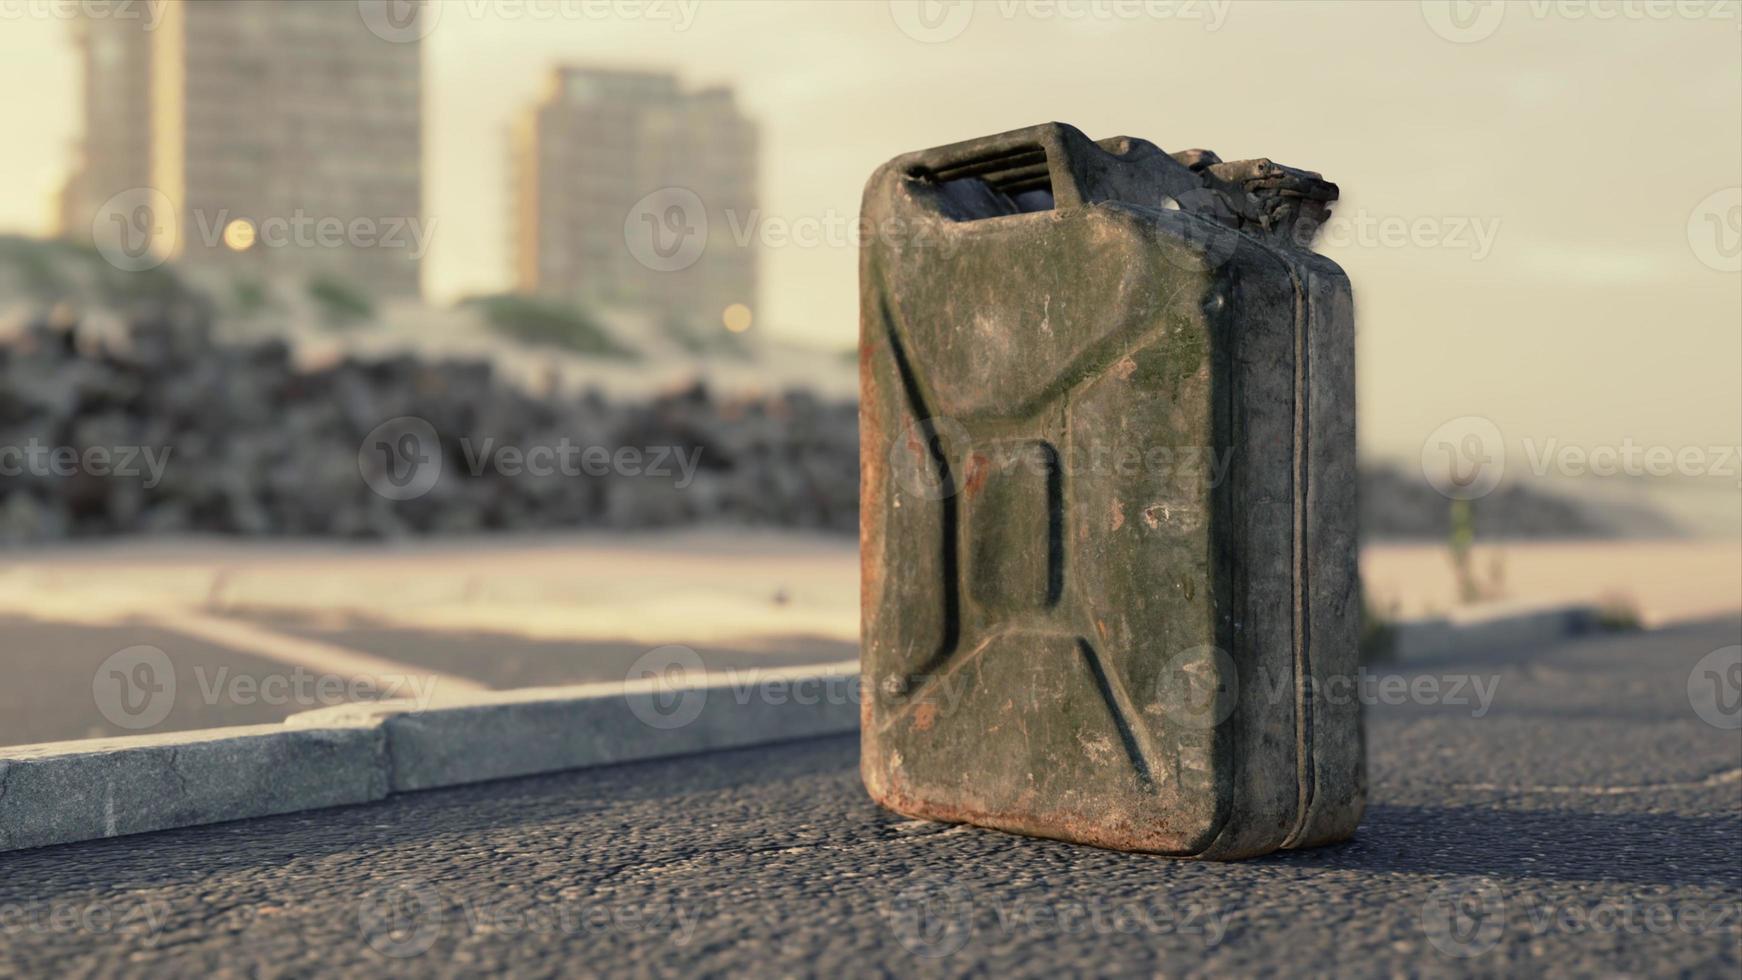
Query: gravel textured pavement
(1584, 816)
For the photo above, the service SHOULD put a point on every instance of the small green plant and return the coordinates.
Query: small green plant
(52, 271)
(538, 320)
(1460, 542)
(1462, 537)
(341, 304)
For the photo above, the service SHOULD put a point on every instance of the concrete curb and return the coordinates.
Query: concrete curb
(1491, 627)
(63, 792)
(72, 791)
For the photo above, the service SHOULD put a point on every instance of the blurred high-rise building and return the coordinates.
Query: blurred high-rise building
(285, 138)
(115, 152)
(631, 192)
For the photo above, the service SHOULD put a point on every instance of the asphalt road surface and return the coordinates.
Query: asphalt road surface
(1584, 817)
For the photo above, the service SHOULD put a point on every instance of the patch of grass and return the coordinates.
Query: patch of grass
(539, 320)
(35, 266)
(698, 339)
(54, 271)
(341, 304)
(249, 297)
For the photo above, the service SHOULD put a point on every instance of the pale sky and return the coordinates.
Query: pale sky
(1522, 213)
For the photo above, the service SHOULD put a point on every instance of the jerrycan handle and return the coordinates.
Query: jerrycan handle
(1045, 157)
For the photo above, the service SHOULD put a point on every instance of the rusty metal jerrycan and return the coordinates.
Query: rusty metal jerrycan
(1108, 497)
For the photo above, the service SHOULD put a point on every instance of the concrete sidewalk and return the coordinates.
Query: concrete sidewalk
(1584, 819)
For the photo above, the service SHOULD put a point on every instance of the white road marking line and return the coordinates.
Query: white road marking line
(316, 655)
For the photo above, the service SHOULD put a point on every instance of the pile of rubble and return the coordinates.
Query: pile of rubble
(155, 428)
